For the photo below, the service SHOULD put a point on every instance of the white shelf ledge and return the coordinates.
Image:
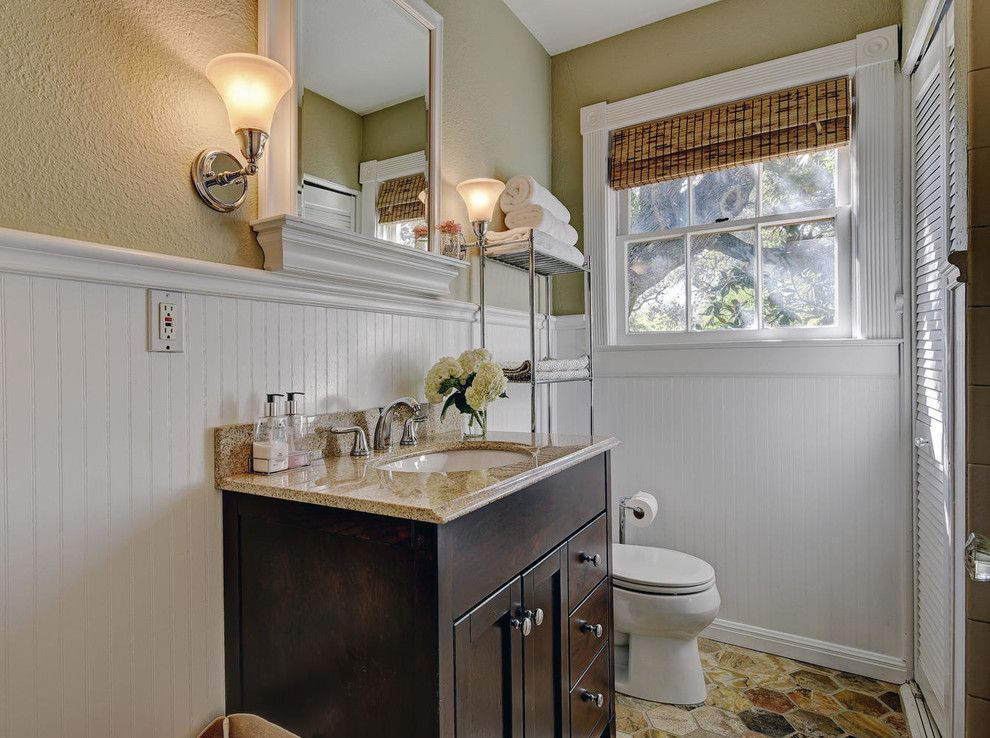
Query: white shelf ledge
(306, 249)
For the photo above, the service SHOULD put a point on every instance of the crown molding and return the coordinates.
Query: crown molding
(42, 255)
(346, 259)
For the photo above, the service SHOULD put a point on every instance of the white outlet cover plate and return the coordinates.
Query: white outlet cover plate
(177, 343)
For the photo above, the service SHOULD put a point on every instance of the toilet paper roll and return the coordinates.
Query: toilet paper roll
(643, 509)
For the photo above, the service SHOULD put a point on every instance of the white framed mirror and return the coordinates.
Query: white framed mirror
(355, 144)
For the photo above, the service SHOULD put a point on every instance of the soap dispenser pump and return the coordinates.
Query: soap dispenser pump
(270, 450)
(298, 430)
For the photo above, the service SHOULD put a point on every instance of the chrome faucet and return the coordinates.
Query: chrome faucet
(383, 429)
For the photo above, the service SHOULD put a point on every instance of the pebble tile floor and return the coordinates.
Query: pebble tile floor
(755, 694)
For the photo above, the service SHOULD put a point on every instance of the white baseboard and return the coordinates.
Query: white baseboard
(822, 653)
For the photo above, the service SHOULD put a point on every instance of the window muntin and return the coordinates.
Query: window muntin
(751, 252)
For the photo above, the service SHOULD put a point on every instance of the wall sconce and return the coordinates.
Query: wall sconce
(480, 196)
(251, 87)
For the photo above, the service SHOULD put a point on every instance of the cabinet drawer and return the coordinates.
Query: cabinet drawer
(587, 560)
(589, 627)
(479, 551)
(586, 713)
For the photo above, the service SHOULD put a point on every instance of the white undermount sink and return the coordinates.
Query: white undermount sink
(454, 460)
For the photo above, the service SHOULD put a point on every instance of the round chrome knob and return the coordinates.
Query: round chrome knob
(594, 560)
(597, 698)
(920, 442)
(525, 624)
(597, 629)
(537, 616)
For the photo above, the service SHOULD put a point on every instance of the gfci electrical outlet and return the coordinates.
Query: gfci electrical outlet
(166, 319)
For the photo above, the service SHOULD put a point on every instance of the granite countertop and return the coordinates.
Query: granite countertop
(434, 497)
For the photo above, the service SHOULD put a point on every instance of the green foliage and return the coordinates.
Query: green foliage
(799, 260)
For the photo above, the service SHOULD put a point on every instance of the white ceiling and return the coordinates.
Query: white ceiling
(364, 55)
(562, 25)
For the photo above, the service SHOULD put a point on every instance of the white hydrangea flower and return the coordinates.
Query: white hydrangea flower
(489, 383)
(475, 398)
(444, 369)
(470, 360)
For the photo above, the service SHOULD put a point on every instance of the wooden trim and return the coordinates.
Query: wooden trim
(927, 24)
(833, 655)
(373, 172)
(314, 250)
(42, 255)
(277, 177)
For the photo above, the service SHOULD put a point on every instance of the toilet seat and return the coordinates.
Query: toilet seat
(659, 570)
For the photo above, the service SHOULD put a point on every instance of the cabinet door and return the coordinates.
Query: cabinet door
(545, 649)
(488, 659)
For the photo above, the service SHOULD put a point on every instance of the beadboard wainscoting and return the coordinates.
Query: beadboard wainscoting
(782, 467)
(111, 608)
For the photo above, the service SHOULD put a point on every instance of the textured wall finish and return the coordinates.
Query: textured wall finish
(106, 106)
(496, 115)
(395, 130)
(112, 96)
(333, 141)
(330, 140)
(716, 38)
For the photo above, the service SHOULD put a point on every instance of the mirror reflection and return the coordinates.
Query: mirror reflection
(363, 86)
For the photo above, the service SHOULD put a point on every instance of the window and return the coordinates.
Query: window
(400, 232)
(757, 251)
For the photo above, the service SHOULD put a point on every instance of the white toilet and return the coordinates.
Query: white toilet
(662, 600)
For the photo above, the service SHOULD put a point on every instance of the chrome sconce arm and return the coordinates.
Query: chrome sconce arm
(251, 87)
(221, 186)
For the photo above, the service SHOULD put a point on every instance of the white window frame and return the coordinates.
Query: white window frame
(372, 173)
(841, 213)
(875, 282)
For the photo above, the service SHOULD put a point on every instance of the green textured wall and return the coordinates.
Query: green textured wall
(331, 138)
(105, 107)
(396, 130)
(715, 38)
(496, 114)
(334, 140)
(108, 89)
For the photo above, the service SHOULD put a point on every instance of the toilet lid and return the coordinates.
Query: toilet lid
(659, 569)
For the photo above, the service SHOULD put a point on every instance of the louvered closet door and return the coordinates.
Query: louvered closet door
(931, 90)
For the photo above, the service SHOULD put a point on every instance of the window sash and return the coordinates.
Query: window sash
(841, 213)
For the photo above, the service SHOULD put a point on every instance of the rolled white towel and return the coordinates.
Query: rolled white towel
(539, 218)
(522, 190)
(550, 367)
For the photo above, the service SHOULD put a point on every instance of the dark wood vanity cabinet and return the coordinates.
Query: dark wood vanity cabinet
(493, 625)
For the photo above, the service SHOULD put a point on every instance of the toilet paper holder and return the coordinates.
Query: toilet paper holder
(624, 507)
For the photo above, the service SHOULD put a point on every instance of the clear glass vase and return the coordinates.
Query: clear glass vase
(475, 425)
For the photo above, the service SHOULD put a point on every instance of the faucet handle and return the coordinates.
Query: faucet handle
(360, 448)
(409, 430)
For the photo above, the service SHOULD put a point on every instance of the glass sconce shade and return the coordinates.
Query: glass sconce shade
(251, 87)
(480, 196)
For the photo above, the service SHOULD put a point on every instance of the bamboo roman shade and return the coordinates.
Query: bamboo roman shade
(398, 199)
(785, 123)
